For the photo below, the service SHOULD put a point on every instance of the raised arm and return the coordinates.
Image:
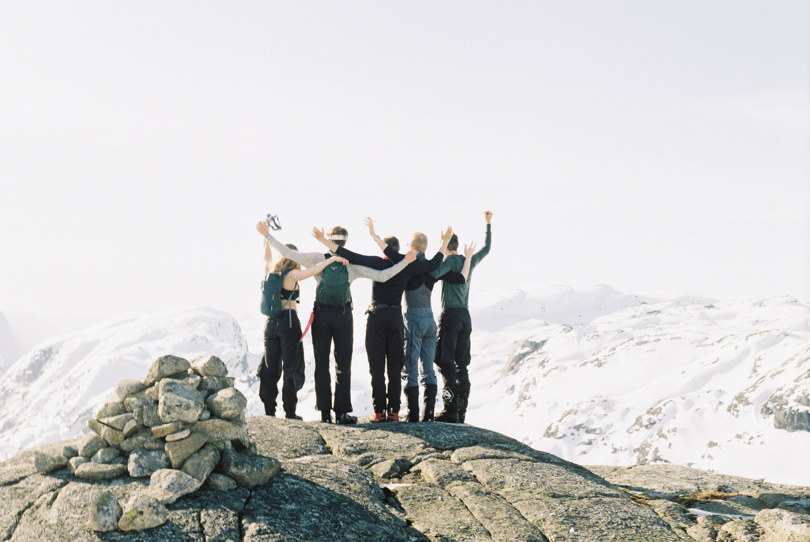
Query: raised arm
(468, 254)
(321, 237)
(307, 259)
(268, 258)
(478, 256)
(377, 239)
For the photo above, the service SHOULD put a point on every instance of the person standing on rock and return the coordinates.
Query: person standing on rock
(455, 327)
(420, 327)
(385, 332)
(332, 321)
(283, 351)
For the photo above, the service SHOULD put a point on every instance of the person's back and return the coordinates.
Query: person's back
(455, 327)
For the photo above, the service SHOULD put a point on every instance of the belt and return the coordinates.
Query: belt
(380, 306)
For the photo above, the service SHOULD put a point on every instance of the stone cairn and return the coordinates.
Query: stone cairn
(182, 427)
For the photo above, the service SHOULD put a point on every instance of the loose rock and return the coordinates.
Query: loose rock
(104, 512)
(143, 512)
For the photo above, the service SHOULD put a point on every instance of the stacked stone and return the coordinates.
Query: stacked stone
(178, 426)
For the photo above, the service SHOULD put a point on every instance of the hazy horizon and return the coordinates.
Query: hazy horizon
(649, 147)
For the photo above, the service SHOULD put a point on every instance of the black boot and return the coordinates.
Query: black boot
(270, 410)
(412, 395)
(450, 412)
(462, 409)
(430, 402)
(326, 416)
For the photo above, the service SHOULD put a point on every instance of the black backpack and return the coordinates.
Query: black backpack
(271, 294)
(333, 289)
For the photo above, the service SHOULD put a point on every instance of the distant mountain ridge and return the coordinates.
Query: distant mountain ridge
(593, 375)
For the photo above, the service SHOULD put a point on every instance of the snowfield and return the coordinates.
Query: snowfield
(593, 375)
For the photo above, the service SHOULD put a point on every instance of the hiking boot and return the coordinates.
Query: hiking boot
(447, 416)
(378, 417)
(412, 395)
(345, 418)
(326, 416)
(292, 416)
(393, 416)
(461, 415)
(270, 411)
(429, 402)
(450, 412)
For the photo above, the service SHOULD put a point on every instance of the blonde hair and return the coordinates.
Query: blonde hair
(419, 241)
(286, 264)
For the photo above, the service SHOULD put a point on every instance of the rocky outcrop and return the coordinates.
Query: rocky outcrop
(161, 429)
(405, 482)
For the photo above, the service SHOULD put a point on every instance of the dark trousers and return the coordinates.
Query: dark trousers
(333, 324)
(385, 338)
(283, 353)
(453, 354)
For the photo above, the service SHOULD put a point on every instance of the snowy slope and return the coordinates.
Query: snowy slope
(682, 381)
(50, 393)
(593, 375)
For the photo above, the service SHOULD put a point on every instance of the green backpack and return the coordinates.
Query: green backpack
(333, 289)
(271, 294)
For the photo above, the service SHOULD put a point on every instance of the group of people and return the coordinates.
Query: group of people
(397, 351)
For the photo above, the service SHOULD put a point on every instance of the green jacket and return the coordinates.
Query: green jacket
(458, 295)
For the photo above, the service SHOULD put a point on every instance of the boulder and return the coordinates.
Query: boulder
(143, 463)
(208, 365)
(179, 435)
(783, 525)
(118, 422)
(211, 384)
(89, 444)
(220, 482)
(104, 512)
(124, 388)
(162, 430)
(113, 408)
(220, 430)
(99, 471)
(202, 463)
(142, 438)
(142, 512)
(74, 462)
(105, 455)
(112, 436)
(69, 451)
(168, 485)
(249, 470)
(180, 450)
(178, 402)
(166, 366)
(226, 403)
(49, 462)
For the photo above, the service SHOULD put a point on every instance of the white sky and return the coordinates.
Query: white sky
(649, 146)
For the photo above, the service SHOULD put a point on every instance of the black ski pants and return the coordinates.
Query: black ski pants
(453, 354)
(283, 353)
(333, 325)
(385, 340)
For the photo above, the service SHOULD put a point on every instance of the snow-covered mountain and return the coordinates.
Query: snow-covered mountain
(21, 331)
(721, 385)
(50, 393)
(593, 375)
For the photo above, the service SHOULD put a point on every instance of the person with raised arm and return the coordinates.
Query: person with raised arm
(420, 328)
(384, 325)
(283, 352)
(455, 326)
(332, 321)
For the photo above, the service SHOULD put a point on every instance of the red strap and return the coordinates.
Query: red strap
(311, 317)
